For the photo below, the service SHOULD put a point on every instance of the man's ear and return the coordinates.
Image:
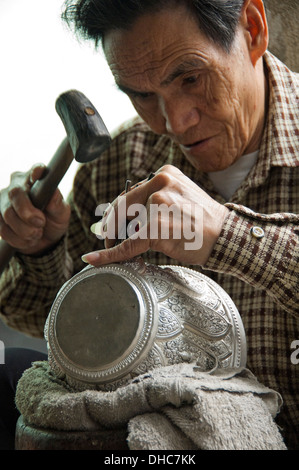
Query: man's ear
(254, 23)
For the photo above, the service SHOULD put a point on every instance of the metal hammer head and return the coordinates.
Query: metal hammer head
(86, 131)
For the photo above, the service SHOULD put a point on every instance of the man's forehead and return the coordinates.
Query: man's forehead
(152, 39)
(174, 72)
(165, 63)
(165, 75)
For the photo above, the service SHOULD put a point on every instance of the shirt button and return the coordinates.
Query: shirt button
(257, 232)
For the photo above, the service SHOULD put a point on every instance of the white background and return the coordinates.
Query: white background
(39, 59)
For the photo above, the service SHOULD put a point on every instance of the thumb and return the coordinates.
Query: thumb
(57, 206)
(36, 173)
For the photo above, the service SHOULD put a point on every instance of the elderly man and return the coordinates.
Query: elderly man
(218, 125)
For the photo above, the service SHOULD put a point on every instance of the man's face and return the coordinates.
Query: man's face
(186, 87)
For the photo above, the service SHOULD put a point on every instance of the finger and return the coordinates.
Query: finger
(113, 228)
(20, 228)
(122, 223)
(18, 207)
(141, 193)
(26, 180)
(56, 205)
(113, 224)
(17, 197)
(18, 240)
(129, 206)
(36, 173)
(58, 213)
(128, 249)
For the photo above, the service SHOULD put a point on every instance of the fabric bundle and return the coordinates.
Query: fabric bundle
(172, 408)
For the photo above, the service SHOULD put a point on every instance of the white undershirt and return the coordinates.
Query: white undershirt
(227, 181)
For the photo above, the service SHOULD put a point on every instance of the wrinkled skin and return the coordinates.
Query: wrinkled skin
(210, 102)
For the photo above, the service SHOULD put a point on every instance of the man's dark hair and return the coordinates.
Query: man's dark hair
(92, 19)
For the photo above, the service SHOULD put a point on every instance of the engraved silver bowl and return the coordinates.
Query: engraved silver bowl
(110, 324)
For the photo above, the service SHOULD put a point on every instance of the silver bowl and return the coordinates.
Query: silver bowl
(110, 324)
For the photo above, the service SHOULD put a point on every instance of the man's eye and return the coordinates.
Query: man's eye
(191, 79)
(142, 96)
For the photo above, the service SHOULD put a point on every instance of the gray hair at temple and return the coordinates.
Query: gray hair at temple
(92, 19)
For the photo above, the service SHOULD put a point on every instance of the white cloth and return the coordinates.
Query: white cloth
(169, 408)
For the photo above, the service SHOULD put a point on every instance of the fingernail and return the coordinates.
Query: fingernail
(90, 258)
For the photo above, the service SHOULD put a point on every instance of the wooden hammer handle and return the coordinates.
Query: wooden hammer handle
(42, 191)
(87, 137)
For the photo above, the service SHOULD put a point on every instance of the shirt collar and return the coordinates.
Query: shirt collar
(280, 143)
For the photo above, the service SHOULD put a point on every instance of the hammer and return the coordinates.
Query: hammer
(87, 137)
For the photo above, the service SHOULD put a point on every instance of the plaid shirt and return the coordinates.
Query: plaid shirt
(260, 274)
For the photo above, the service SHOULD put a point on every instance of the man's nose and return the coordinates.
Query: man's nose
(179, 114)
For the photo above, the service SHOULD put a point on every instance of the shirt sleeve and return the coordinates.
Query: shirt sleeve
(262, 250)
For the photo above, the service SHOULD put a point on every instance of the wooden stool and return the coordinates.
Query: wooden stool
(31, 438)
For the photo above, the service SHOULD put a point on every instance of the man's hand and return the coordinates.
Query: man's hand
(182, 202)
(27, 229)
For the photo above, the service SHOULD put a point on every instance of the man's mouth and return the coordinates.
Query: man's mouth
(194, 144)
(189, 146)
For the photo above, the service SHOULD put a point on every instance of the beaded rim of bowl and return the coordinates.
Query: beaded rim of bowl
(136, 351)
